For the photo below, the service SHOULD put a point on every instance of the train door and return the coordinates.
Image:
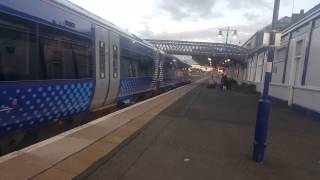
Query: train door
(102, 67)
(114, 72)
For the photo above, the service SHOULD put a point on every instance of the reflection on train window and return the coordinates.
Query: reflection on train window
(136, 60)
(115, 61)
(146, 66)
(169, 69)
(65, 56)
(102, 59)
(17, 51)
(132, 72)
(56, 54)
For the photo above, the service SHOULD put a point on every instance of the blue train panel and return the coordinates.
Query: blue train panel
(131, 86)
(29, 104)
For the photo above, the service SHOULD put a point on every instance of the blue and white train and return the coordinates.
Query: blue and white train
(58, 60)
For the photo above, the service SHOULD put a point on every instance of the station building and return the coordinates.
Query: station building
(296, 67)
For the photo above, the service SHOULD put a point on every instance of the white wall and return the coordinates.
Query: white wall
(308, 98)
(279, 91)
(307, 95)
(313, 73)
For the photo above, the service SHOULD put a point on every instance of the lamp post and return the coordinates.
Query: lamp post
(220, 34)
(261, 130)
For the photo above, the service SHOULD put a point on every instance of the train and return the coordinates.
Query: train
(58, 60)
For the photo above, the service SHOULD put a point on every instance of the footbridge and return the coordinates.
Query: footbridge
(201, 51)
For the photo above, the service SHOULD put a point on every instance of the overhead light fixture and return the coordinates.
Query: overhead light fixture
(235, 34)
(220, 33)
(209, 59)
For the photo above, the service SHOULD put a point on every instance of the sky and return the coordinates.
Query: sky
(192, 20)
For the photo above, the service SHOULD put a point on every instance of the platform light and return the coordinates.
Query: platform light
(220, 33)
(209, 59)
(235, 34)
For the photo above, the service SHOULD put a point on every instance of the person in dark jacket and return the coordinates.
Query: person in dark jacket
(228, 84)
(224, 80)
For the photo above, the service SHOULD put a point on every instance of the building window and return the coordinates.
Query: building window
(297, 62)
(299, 48)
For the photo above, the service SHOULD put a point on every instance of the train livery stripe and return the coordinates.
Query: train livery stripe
(131, 86)
(31, 103)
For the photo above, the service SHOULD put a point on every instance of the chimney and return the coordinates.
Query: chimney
(302, 12)
(296, 17)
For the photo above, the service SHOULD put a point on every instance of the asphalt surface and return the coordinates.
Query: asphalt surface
(208, 134)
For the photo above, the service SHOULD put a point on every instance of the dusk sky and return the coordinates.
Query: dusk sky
(195, 20)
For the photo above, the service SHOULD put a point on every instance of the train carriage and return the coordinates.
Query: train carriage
(173, 72)
(58, 60)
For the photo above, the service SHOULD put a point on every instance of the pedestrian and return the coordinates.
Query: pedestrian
(229, 84)
(224, 80)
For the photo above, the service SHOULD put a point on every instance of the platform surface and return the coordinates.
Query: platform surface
(208, 135)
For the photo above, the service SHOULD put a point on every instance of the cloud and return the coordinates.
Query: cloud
(236, 4)
(248, 18)
(189, 9)
(251, 16)
(203, 9)
(146, 31)
(209, 34)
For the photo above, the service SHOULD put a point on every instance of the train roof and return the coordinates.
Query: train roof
(70, 5)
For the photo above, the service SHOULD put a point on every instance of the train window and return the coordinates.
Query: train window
(102, 59)
(134, 67)
(18, 59)
(132, 70)
(146, 66)
(64, 55)
(115, 61)
(10, 50)
(136, 60)
(129, 71)
(82, 60)
(29, 51)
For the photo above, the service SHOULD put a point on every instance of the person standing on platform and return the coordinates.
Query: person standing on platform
(224, 80)
(229, 84)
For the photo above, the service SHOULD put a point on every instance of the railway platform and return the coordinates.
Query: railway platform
(188, 133)
(208, 134)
